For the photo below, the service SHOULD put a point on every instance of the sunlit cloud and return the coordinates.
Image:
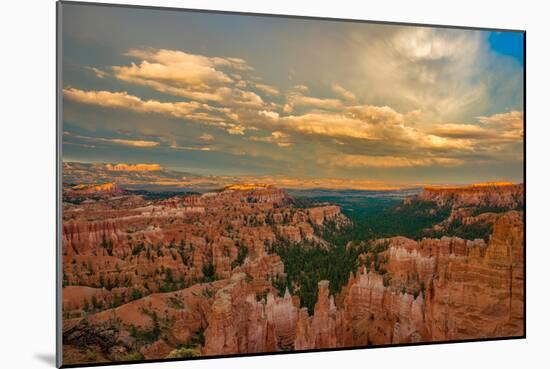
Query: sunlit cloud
(122, 100)
(119, 141)
(377, 114)
(273, 115)
(281, 139)
(343, 93)
(300, 88)
(236, 130)
(380, 124)
(133, 143)
(270, 90)
(499, 127)
(176, 66)
(448, 74)
(367, 161)
(189, 147)
(510, 124)
(122, 167)
(175, 146)
(333, 125)
(299, 101)
(192, 76)
(408, 97)
(463, 131)
(206, 137)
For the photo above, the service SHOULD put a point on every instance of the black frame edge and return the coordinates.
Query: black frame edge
(58, 185)
(292, 16)
(525, 184)
(257, 354)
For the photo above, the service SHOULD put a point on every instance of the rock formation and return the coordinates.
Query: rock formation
(442, 290)
(487, 194)
(149, 278)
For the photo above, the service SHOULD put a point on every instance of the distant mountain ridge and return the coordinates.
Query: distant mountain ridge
(154, 177)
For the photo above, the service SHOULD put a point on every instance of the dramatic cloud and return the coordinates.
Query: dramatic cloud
(377, 114)
(177, 67)
(192, 76)
(448, 74)
(510, 124)
(379, 124)
(383, 97)
(464, 131)
(123, 100)
(502, 127)
(333, 125)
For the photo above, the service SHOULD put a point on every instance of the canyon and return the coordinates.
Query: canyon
(214, 273)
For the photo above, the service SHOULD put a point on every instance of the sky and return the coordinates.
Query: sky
(227, 94)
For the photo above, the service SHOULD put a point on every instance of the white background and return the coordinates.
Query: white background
(27, 206)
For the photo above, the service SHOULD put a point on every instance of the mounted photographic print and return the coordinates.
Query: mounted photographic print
(239, 184)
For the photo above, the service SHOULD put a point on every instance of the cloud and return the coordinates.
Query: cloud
(299, 101)
(358, 161)
(383, 126)
(177, 67)
(98, 72)
(464, 131)
(509, 124)
(122, 100)
(273, 115)
(175, 146)
(499, 127)
(192, 76)
(133, 143)
(281, 139)
(300, 89)
(433, 142)
(327, 124)
(380, 124)
(236, 130)
(206, 137)
(122, 167)
(119, 141)
(270, 90)
(79, 144)
(343, 93)
(420, 98)
(448, 74)
(377, 114)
